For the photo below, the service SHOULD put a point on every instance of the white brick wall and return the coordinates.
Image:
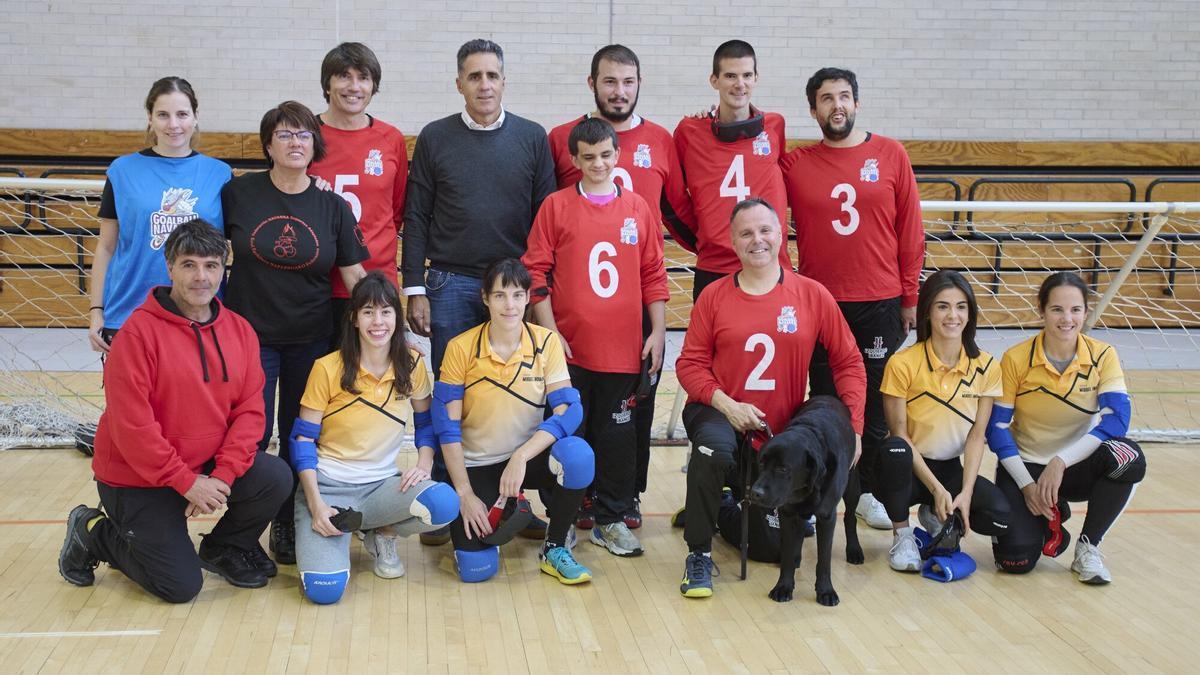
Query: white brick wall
(928, 69)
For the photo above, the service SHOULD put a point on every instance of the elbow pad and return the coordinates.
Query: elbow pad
(999, 438)
(561, 426)
(1115, 412)
(423, 434)
(446, 429)
(304, 453)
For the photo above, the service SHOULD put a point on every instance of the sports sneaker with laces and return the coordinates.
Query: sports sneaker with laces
(572, 538)
(1089, 563)
(928, 519)
(698, 572)
(904, 556)
(283, 542)
(75, 562)
(870, 510)
(586, 518)
(536, 529)
(617, 538)
(633, 519)
(382, 548)
(258, 557)
(560, 564)
(231, 564)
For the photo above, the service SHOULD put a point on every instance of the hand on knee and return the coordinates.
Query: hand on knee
(476, 566)
(573, 462)
(435, 506)
(1016, 558)
(324, 588)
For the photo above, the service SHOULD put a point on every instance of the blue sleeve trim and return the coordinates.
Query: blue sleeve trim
(561, 426)
(999, 438)
(447, 430)
(423, 434)
(304, 453)
(1115, 423)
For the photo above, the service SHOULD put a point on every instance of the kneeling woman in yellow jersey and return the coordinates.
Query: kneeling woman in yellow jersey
(937, 396)
(353, 416)
(489, 411)
(1059, 431)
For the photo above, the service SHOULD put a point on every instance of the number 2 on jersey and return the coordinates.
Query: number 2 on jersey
(755, 381)
(845, 190)
(734, 182)
(598, 267)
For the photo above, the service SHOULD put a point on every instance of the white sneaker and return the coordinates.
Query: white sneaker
(1089, 563)
(928, 519)
(617, 538)
(382, 548)
(904, 556)
(870, 510)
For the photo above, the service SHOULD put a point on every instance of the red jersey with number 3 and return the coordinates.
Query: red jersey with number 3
(756, 348)
(606, 262)
(858, 219)
(720, 174)
(369, 168)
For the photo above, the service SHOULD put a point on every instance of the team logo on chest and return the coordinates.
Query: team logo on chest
(625, 412)
(762, 145)
(876, 350)
(786, 321)
(629, 233)
(374, 164)
(641, 156)
(177, 207)
(869, 173)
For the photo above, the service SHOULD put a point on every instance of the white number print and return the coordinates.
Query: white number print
(734, 182)
(755, 381)
(624, 178)
(597, 267)
(340, 182)
(846, 190)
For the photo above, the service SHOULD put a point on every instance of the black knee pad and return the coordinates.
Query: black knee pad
(895, 454)
(1124, 461)
(1016, 558)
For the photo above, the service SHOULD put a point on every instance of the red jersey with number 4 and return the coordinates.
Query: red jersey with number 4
(369, 168)
(606, 261)
(756, 348)
(858, 219)
(720, 174)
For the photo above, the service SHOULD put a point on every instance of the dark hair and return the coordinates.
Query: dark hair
(169, 85)
(616, 54)
(935, 284)
(592, 130)
(824, 75)
(750, 203)
(508, 272)
(349, 55)
(375, 289)
(733, 49)
(1061, 279)
(479, 46)
(294, 114)
(196, 237)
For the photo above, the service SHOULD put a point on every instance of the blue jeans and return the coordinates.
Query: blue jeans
(455, 306)
(288, 366)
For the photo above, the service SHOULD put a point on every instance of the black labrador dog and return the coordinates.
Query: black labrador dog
(804, 470)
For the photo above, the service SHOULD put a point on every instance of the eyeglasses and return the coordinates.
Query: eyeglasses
(285, 136)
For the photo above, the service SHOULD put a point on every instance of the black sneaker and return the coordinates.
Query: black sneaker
(75, 562)
(283, 542)
(633, 519)
(232, 564)
(536, 529)
(259, 559)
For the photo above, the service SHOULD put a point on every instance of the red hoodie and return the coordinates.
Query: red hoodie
(179, 394)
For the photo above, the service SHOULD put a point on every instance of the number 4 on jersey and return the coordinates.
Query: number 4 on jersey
(734, 182)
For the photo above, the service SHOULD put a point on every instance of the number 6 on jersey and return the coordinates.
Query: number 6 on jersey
(598, 267)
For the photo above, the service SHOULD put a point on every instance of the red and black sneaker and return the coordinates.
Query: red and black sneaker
(633, 519)
(586, 518)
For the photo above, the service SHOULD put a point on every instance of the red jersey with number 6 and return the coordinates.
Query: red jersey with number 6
(756, 348)
(858, 219)
(606, 262)
(368, 167)
(719, 174)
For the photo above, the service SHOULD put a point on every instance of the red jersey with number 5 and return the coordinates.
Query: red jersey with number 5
(368, 167)
(858, 219)
(606, 262)
(757, 348)
(720, 174)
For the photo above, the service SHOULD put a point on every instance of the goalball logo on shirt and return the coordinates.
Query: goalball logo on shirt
(629, 233)
(374, 163)
(869, 173)
(178, 207)
(786, 322)
(876, 350)
(641, 156)
(762, 145)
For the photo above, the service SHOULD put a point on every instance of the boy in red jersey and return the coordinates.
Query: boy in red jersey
(858, 228)
(603, 251)
(726, 156)
(745, 362)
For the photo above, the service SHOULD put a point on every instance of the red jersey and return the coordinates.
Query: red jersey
(647, 166)
(756, 348)
(720, 174)
(606, 262)
(858, 219)
(369, 168)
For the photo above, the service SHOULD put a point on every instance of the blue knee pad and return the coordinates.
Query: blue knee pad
(476, 566)
(436, 505)
(572, 460)
(325, 588)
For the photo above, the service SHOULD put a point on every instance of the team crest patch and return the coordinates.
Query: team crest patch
(374, 164)
(869, 173)
(762, 144)
(625, 414)
(178, 207)
(641, 156)
(876, 350)
(629, 233)
(786, 321)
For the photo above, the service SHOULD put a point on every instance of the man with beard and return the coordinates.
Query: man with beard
(647, 166)
(858, 229)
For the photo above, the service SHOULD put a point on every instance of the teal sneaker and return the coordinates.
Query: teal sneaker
(698, 572)
(560, 564)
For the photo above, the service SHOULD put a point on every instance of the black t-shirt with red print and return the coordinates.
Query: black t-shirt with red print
(284, 248)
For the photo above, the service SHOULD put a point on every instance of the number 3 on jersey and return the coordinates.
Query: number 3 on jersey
(599, 269)
(756, 382)
(734, 182)
(845, 190)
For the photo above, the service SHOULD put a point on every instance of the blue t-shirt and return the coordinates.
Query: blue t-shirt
(153, 196)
